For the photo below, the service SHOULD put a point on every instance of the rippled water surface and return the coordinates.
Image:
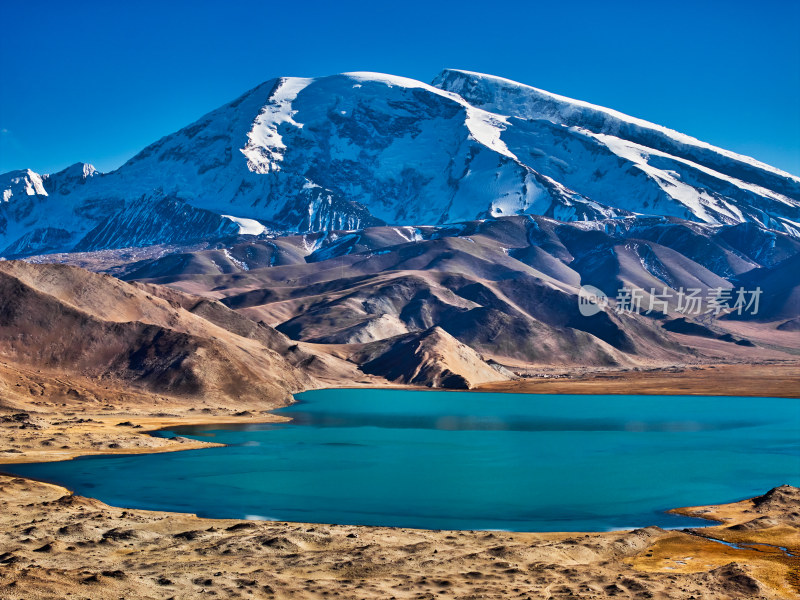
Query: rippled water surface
(463, 460)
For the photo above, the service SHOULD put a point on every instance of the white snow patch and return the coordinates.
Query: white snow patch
(34, 184)
(247, 226)
(315, 244)
(486, 127)
(239, 263)
(390, 80)
(409, 234)
(265, 147)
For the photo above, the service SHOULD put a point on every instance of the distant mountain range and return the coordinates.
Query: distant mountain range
(505, 287)
(360, 150)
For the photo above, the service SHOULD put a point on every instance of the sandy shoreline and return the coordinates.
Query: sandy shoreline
(777, 380)
(53, 543)
(163, 555)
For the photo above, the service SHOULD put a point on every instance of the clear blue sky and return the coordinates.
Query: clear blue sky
(97, 81)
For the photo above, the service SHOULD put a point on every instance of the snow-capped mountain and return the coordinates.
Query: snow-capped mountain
(360, 149)
(670, 173)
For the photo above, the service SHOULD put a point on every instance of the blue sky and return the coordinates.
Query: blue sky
(98, 81)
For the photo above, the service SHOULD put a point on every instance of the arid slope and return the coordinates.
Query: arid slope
(70, 322)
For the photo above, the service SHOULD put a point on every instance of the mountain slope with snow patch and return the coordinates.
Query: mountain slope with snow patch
(355, 150)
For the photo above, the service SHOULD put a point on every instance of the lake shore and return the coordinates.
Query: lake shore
(776, 380)
(52, 542)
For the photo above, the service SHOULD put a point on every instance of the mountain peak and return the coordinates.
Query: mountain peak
(22, 182)
(80, 169)
(65, 180)
(359, 149)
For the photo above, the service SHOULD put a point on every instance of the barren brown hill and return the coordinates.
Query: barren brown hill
(67, 320)
(506, 287)
(432, 357)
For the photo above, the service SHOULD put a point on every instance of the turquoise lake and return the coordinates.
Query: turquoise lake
(463, 460)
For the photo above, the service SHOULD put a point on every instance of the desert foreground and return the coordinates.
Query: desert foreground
(54, 544)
